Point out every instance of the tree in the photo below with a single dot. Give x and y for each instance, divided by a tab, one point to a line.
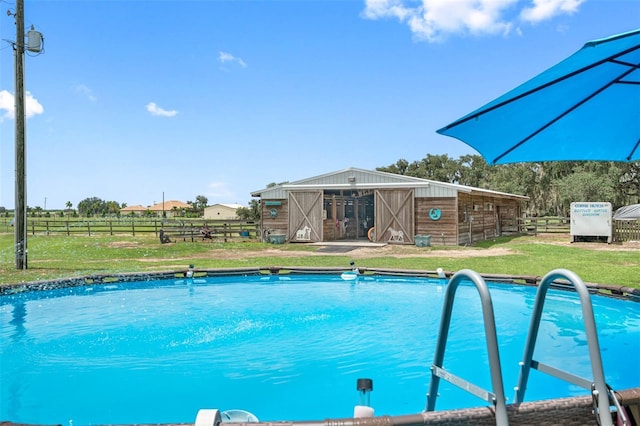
201	203
112	207
401	167
473	171
249	213
95	206
68	205
628	182
197	206
91	206
583	186
434	167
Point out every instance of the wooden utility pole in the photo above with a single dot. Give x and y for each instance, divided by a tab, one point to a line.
20	222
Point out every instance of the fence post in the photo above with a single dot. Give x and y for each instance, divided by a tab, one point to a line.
110	227
68	233
89	227
133	226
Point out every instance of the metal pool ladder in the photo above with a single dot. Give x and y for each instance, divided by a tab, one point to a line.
599	389
496	397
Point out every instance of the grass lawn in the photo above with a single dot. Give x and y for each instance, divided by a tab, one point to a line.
52	257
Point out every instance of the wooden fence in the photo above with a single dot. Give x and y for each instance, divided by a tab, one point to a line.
626	230
623	230
132	226
544	225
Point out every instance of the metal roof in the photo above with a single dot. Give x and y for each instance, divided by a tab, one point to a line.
355	179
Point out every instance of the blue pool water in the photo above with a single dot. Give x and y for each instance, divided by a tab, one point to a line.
283	348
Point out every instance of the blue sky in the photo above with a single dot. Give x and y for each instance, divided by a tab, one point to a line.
133	99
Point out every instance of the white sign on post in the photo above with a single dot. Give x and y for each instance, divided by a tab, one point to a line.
591	220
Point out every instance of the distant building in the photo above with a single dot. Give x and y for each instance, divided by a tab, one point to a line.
171	208
137	210
222	211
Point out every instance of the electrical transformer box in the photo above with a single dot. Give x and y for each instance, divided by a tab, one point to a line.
591	220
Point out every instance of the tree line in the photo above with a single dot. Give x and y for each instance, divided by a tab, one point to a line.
550	186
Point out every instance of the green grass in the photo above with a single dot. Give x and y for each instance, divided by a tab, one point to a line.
53	257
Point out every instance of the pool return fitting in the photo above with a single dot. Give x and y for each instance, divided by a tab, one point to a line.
364	409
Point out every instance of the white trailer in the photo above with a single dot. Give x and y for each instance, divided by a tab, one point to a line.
591	220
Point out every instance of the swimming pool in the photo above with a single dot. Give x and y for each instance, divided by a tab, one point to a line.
282	347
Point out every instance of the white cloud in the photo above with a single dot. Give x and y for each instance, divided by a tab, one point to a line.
435	20
543	10
7	105
225	57
85	91
156	110
219	190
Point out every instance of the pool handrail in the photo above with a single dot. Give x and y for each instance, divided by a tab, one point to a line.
497	398
600	391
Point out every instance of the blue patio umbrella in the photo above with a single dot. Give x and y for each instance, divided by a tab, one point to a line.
586	107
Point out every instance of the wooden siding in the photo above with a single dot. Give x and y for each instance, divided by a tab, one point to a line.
280	223
482	217
443	231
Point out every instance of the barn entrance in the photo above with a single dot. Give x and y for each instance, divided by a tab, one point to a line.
348	214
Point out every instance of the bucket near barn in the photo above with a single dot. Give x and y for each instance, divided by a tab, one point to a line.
422	240
277	238
244	233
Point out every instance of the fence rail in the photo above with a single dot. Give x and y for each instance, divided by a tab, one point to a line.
626	230
538	225
132	226
622	230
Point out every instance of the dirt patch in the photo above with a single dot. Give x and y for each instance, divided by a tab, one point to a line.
123	244
356	253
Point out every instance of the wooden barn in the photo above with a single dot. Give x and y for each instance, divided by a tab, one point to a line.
354	204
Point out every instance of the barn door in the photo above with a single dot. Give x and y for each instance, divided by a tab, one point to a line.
305	216
394	216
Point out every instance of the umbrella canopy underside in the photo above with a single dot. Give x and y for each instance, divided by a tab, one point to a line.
586	107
